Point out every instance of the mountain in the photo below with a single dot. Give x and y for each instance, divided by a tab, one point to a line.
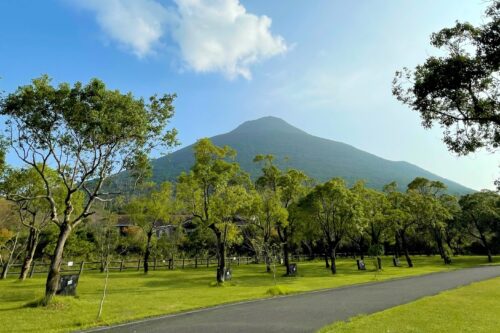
319	158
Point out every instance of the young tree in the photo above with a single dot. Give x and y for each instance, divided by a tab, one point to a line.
215	191
399	214
86	133
34	214
269	214
480	215
289	186
148	211
375	221
460	90
335	209
431	208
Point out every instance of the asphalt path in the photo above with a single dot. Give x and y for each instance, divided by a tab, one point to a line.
309	311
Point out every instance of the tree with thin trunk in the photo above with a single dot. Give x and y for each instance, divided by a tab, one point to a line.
335	209
85	133
402	221
290	186
149	211
215	191
34	214
480	215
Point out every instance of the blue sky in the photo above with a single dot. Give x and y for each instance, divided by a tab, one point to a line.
325	66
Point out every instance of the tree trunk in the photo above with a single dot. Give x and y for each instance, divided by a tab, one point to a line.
405	249
332	259
5	268
147	253
397	246
327	264
267	259
361	245
221	254
52	283
286	251
30	253
442	252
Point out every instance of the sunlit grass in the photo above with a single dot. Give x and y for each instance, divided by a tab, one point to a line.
474	308
133	295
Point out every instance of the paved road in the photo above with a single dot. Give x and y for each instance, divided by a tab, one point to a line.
309	311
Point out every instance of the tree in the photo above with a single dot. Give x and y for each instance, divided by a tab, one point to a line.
269	214
10	229
335	209
214	192
289	186
86	133
400	215
460	90
34	214
375	220
430	208
148	211
480	215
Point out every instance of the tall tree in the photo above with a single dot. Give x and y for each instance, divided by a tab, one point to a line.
399	214
86	133
480	215
461	89
375	208
290	187
430	208
214	192
148	212
34	214
335	209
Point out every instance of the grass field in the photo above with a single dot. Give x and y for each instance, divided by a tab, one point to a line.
474	308
133	295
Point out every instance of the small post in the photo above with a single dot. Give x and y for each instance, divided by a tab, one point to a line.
247	260
121	265
32	269
81	268
195	262
139	264
238	260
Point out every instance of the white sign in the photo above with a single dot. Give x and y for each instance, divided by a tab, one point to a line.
70	263
70	282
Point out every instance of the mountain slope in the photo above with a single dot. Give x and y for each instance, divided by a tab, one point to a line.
319	158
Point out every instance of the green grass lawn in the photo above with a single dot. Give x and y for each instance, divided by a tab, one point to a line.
474	308
133	295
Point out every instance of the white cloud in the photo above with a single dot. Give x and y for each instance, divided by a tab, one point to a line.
212	35
221	36
136	24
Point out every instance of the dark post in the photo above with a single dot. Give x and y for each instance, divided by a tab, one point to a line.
139	264
121	265
238	261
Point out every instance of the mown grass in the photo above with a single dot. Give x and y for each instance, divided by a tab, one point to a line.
474	308
133	295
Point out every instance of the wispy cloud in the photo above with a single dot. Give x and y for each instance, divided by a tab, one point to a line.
212	35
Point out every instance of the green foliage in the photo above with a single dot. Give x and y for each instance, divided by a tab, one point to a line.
460	90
